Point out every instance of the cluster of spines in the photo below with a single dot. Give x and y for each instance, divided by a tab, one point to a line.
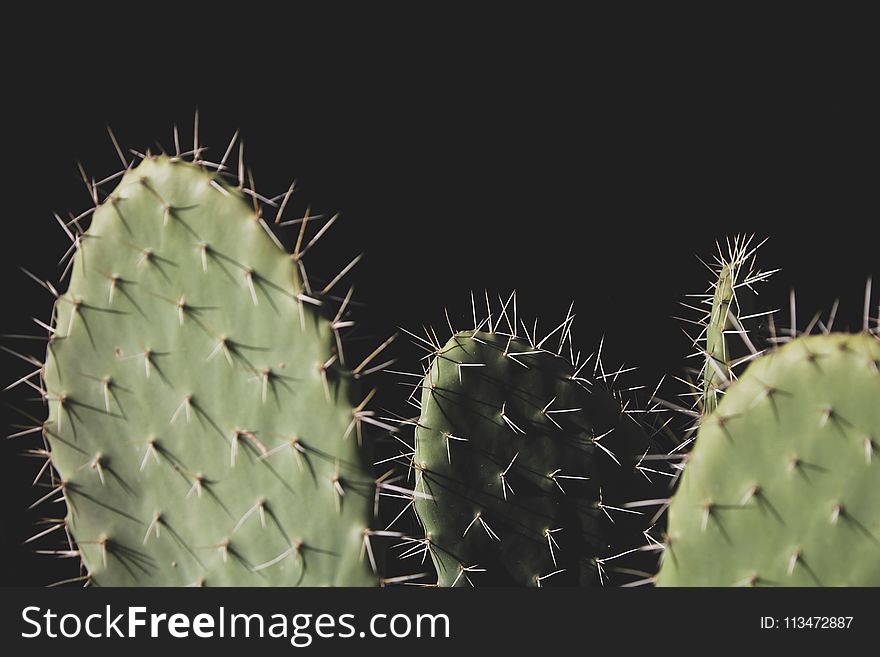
727	328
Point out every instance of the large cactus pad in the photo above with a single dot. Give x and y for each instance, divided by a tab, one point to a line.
783	485
199	420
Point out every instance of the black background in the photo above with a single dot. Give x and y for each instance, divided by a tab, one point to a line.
567	160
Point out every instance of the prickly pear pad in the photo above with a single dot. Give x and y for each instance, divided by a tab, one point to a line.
731	327
198	417
783	485
507	448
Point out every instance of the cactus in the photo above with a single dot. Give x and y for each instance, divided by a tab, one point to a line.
522	457
203	427
732	299
782	486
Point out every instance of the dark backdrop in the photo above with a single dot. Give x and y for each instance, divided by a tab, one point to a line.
551	165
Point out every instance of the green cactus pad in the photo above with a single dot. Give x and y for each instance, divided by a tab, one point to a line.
199	420
727	339
783	484
510	448
716	370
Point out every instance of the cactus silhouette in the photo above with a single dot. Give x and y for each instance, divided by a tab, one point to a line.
525	456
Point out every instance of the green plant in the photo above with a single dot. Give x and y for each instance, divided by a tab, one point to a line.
202	424
781	487
524	455
204	428
725	341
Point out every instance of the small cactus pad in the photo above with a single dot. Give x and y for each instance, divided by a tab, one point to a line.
517	448
783	485
716	371
726	340
199	420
